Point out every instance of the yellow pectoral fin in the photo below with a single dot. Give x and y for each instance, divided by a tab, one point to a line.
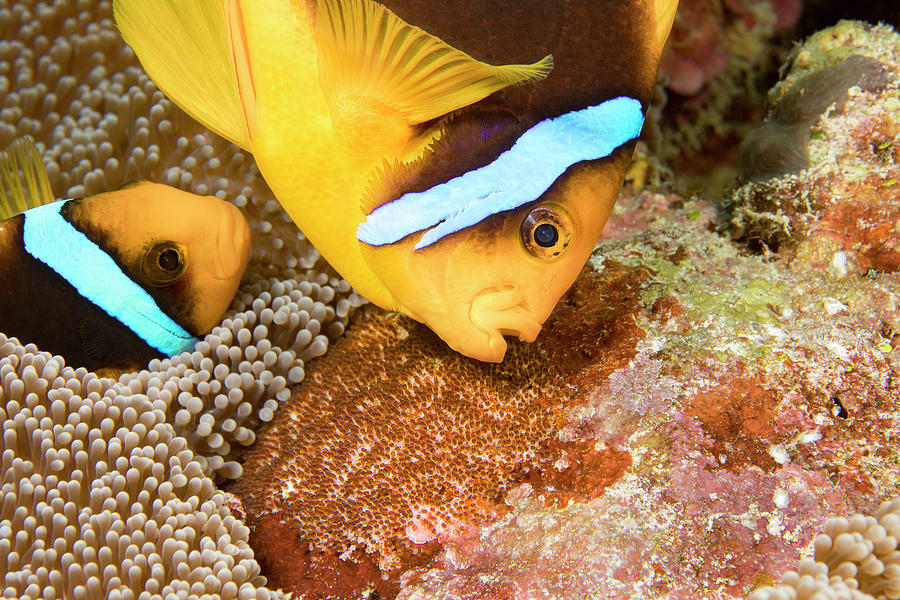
185	48
23	179
367	51
665	16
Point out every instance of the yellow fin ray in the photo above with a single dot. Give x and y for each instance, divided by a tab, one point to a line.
366	50
665	16
23	179
184	47
240	61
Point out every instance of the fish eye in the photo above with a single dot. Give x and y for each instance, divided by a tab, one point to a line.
163	263
546	235
547	231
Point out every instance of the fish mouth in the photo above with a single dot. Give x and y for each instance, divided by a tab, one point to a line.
232	243
497	312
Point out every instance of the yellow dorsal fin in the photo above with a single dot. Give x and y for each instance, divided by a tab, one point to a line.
665	16
184	47
366	49
23	179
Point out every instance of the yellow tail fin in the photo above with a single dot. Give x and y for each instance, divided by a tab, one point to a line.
23	179
184	47
665	16
366	49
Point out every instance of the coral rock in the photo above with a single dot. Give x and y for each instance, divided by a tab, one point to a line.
758	405
845	199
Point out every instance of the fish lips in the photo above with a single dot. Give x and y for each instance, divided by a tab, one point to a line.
496	312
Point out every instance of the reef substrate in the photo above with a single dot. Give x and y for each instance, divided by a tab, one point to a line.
700	411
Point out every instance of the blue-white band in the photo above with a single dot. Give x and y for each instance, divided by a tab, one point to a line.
56	243
518	176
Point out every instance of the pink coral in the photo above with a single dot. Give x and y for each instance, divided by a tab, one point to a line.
698	52
695	53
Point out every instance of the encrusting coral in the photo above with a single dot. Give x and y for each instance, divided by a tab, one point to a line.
395	441
761	400
856	558
101	499
845	194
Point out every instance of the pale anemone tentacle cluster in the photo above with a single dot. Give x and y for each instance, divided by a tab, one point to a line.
100	498
854	559
218	395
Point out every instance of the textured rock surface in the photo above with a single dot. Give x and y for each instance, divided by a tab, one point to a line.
846	198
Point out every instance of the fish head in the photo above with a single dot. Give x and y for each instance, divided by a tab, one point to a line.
504	275
188	251
482	228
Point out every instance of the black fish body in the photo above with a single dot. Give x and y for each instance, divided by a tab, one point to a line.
38	306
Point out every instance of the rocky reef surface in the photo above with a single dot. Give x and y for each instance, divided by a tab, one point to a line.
720	382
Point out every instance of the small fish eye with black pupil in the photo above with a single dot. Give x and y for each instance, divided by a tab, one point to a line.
547	231
546	235
163	263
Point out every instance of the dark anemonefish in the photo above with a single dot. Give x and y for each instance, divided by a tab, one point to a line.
468	196
117	278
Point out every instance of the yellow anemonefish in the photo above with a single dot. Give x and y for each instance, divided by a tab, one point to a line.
117	278
433	183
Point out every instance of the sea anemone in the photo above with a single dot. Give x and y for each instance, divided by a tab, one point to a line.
100	498
856	558
148	514
217	395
